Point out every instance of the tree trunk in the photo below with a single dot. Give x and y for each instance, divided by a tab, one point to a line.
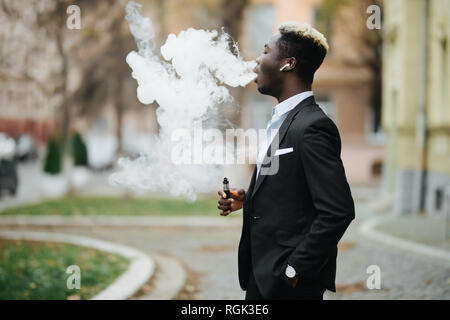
119	115
65	112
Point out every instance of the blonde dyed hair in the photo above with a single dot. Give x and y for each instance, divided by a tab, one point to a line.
304	30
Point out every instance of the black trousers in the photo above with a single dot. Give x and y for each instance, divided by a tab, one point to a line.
303	291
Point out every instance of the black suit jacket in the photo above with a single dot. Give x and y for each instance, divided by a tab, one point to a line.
298	214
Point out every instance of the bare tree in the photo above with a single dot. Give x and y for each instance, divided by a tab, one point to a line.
96	53
368	43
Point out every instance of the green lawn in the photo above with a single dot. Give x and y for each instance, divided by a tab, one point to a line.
37	270
71	206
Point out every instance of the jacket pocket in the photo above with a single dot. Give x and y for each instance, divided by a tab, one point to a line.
288	238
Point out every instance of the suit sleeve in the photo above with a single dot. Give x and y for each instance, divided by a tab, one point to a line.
330	193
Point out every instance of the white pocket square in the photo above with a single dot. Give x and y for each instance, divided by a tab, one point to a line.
283	151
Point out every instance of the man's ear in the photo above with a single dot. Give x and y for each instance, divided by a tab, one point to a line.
292	63
288	64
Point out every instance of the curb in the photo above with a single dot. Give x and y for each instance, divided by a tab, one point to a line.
367	229
169	279
120	221
140	270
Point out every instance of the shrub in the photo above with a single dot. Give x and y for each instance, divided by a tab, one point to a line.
53	158
79	151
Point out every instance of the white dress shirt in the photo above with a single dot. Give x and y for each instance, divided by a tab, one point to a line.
279	114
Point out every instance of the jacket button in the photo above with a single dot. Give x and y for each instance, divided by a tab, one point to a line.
256	217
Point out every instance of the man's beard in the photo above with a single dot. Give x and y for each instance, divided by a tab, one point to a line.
265	90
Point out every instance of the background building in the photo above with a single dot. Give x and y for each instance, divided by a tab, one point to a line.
416	106
78	80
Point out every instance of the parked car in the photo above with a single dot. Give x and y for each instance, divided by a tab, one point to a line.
8	176
26	148
8	172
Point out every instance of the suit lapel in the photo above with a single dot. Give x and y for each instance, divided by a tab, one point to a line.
281	134
251	185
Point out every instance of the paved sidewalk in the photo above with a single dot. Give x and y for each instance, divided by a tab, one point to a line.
29	177
210	253
404	274
428	230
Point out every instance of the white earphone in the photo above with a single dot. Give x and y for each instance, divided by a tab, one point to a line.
286	65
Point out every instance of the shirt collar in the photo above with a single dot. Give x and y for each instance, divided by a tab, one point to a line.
290	103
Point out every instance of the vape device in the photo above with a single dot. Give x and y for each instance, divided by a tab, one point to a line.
226	187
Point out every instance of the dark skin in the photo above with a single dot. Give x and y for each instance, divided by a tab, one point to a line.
280	85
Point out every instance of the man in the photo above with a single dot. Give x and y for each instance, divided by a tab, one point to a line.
295	212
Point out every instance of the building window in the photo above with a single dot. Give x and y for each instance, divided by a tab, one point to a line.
444	72
259	27
323	17
259	111
439	199
375	133
376	168
327	106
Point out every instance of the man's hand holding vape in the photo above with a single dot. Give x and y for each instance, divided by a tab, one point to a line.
232	203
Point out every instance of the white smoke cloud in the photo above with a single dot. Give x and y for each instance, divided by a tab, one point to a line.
187	85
